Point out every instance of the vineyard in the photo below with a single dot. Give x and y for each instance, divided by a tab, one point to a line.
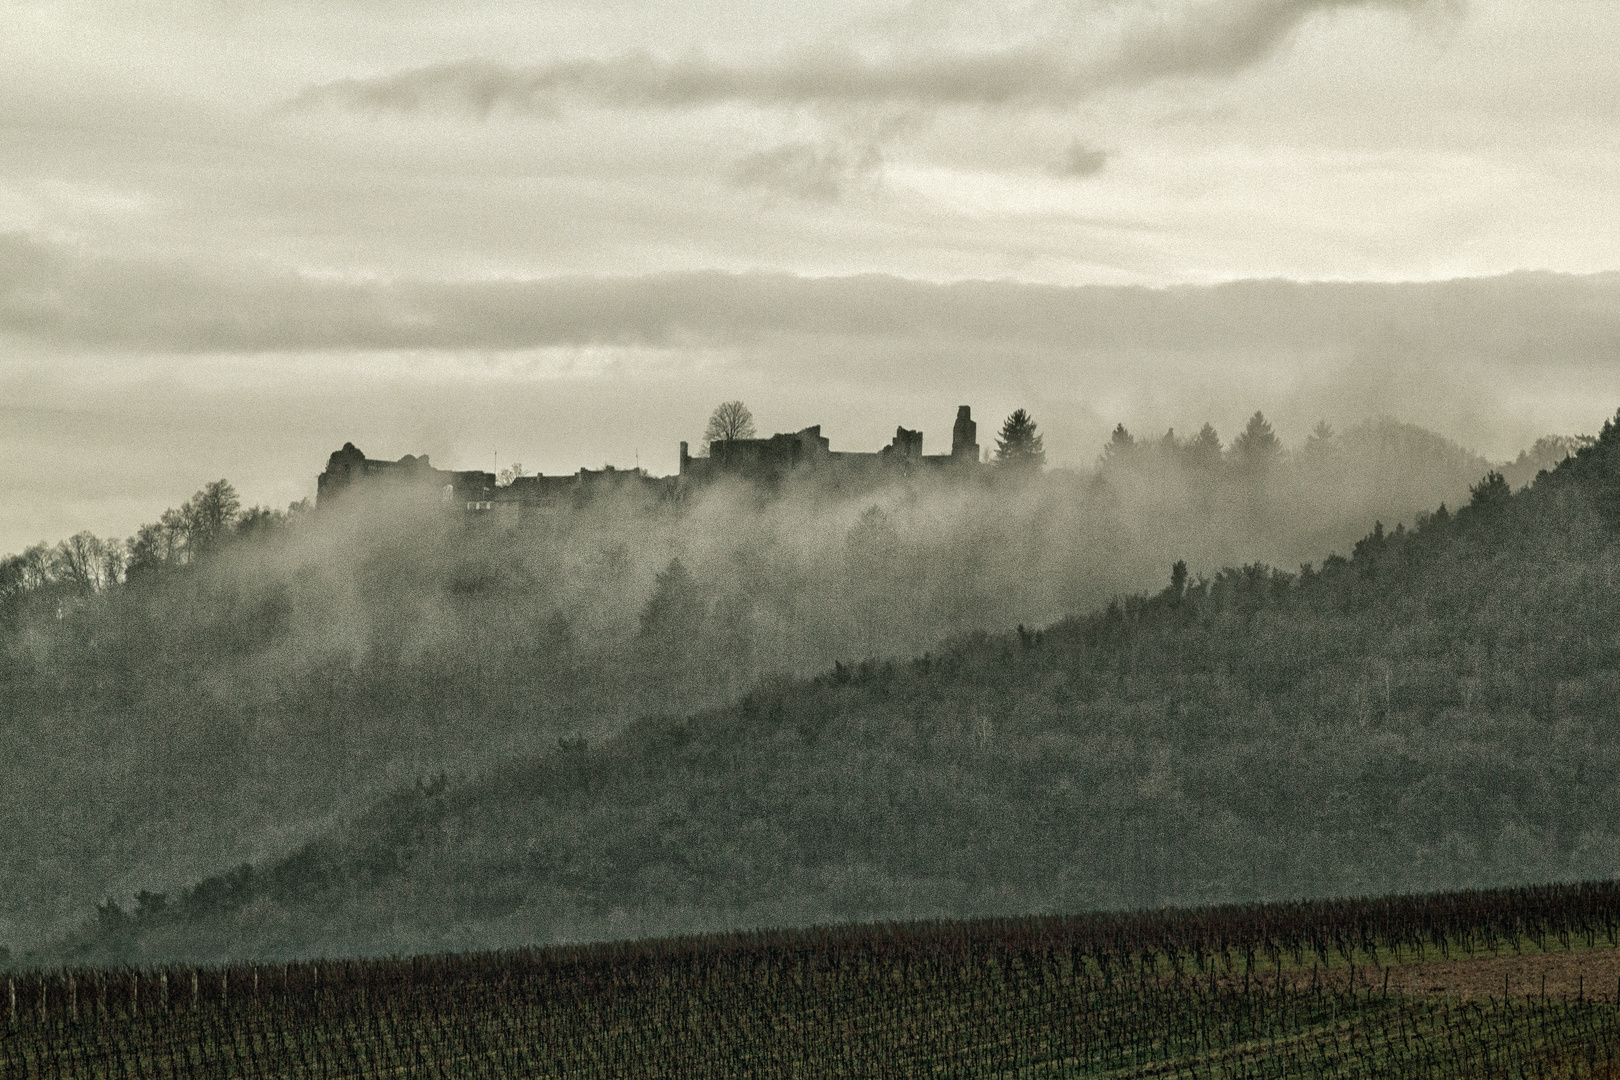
1274	990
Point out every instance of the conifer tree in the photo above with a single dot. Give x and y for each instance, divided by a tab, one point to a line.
1019	446
1257	447
1119	446
675	610
1204	449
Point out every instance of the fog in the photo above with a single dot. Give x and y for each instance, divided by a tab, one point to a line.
232	240
235	696
99	432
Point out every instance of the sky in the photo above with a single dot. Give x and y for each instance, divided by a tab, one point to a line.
235	235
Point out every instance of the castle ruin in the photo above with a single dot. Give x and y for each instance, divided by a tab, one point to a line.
773	458
757	460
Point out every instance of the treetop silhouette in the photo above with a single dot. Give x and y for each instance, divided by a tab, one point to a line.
1019	445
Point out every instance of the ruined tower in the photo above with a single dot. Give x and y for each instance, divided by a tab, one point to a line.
906	446
343	468
964	436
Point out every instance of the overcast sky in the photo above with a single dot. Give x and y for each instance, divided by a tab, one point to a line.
234	235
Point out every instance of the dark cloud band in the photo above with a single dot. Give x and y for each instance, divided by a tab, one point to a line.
63	297
1216	38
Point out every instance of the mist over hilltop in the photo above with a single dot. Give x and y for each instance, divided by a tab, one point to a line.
558	233
103	422
1430	710
259	676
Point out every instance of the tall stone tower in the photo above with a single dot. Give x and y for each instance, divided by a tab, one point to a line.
964	436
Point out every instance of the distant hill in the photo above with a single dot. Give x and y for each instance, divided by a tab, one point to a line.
1436	710
231	683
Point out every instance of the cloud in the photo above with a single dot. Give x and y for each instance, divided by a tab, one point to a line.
1082	160
1219	38
642	80
61	295
217	369
808	172
1210	37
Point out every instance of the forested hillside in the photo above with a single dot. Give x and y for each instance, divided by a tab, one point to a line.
1434	710
229	683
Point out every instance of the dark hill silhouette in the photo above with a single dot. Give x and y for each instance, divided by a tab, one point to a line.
1435	710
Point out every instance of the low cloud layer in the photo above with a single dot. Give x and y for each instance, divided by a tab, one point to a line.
1205	39
160	375
62	296
808	171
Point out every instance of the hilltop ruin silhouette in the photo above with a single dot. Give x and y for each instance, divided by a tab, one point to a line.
763	461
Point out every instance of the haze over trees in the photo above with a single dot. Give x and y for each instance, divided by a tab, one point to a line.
1257	448
257	676
1547	453
1432	709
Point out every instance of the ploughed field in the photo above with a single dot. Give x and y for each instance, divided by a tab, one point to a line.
1502	983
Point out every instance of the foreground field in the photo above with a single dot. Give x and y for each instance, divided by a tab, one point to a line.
1342	989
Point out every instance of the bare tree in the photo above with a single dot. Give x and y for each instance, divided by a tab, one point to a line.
210	515
259	521
730	420
87	563
35	567
32	569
